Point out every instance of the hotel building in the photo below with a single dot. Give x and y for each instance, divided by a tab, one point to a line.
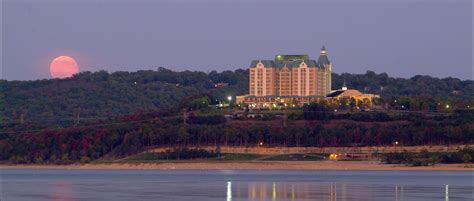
288	78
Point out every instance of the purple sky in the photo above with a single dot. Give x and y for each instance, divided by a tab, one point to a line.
401	37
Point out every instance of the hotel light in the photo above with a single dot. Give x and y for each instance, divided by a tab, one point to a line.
274	194
446	192
229	191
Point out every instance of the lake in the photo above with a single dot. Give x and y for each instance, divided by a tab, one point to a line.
230	185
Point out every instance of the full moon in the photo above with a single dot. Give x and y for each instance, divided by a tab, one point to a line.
63	67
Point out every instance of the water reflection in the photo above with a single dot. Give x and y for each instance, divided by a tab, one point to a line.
61	191
229	191
330	191
446	195
72	185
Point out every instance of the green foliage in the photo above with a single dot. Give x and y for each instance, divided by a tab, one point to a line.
397	158
466	158
230	156
417	86
207	119
85	159
298	157
425	158
123	113
315	111
175	154
107	95
103	95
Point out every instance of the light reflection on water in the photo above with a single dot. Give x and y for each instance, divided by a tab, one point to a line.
256	191
61	191
78	185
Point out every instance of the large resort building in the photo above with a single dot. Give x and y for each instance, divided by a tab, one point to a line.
287	79
295	80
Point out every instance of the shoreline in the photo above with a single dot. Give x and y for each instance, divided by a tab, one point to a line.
246	165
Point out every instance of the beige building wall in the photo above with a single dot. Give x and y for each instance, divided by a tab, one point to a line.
259	77
312	82
303	80
270	82
285	82
252	81
295	82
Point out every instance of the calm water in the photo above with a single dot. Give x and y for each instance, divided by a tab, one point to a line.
112	185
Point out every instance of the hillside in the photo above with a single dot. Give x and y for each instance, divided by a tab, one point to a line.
106	95
125	113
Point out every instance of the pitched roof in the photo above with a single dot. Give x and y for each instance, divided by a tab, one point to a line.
293	61
344	93
281	64
266	63
334	94
323	60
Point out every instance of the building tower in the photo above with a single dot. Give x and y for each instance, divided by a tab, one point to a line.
323	61
344	86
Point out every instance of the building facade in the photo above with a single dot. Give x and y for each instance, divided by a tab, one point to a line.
345	93
289	77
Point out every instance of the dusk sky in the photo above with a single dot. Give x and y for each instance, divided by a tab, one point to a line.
401	37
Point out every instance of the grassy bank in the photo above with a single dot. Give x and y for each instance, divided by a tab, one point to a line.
426	158
201	154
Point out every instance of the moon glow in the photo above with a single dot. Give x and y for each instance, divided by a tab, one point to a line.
63	67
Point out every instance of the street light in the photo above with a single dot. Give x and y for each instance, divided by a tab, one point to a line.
229	98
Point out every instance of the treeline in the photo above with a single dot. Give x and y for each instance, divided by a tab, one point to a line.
88	96
323	111
426	158
102	95
139	132
417	86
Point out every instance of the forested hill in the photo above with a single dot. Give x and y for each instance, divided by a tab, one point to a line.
419	85
102	94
